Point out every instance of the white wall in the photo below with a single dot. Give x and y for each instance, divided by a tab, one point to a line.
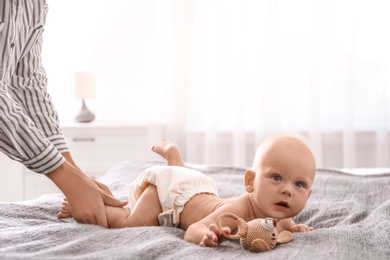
117	40
142	53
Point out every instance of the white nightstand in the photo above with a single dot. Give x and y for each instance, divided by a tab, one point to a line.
96	147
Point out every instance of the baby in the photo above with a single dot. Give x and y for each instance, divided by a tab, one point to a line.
278	186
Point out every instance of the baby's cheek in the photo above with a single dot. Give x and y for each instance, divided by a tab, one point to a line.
300	206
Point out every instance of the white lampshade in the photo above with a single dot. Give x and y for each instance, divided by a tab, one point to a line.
84	83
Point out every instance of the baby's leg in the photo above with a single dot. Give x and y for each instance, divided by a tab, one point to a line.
114	214
170	152
145	212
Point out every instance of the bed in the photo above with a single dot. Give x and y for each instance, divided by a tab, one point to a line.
349	209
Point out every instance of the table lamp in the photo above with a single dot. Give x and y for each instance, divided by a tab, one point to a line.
84	88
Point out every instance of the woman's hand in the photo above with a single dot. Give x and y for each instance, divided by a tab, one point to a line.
86	197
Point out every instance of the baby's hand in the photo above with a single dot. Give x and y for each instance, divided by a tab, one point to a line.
300	228
213	237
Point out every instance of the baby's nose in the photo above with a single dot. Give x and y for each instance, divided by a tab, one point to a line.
287	190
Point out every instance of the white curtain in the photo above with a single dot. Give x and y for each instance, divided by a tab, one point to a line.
319	68
224	74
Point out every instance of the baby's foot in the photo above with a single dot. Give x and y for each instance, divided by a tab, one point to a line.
169	151
165	148
65	211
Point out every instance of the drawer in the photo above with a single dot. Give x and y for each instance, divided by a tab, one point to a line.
98	153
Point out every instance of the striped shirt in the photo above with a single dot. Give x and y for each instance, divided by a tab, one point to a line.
29	125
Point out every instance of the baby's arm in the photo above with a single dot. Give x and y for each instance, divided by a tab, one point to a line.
203	235
206	232
290	225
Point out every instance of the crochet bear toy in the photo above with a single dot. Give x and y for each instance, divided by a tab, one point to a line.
258	235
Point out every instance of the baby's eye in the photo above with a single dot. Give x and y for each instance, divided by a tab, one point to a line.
277	178
300	184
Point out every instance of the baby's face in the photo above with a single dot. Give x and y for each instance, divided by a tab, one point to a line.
284	173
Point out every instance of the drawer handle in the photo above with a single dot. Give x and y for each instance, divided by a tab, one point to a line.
83	139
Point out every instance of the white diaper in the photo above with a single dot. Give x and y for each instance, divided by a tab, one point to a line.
175	186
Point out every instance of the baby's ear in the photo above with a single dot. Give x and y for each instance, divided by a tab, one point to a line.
249	178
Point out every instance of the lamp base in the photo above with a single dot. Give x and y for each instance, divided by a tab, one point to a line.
85	115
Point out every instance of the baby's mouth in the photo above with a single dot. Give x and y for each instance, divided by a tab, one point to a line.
283	204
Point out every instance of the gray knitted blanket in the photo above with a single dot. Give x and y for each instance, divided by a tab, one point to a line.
350	214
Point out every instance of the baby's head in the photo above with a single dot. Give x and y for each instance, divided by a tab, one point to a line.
279	183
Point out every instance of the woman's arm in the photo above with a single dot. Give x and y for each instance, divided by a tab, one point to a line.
29	125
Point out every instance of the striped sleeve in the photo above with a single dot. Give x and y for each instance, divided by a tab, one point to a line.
22	141
29	125
28	89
